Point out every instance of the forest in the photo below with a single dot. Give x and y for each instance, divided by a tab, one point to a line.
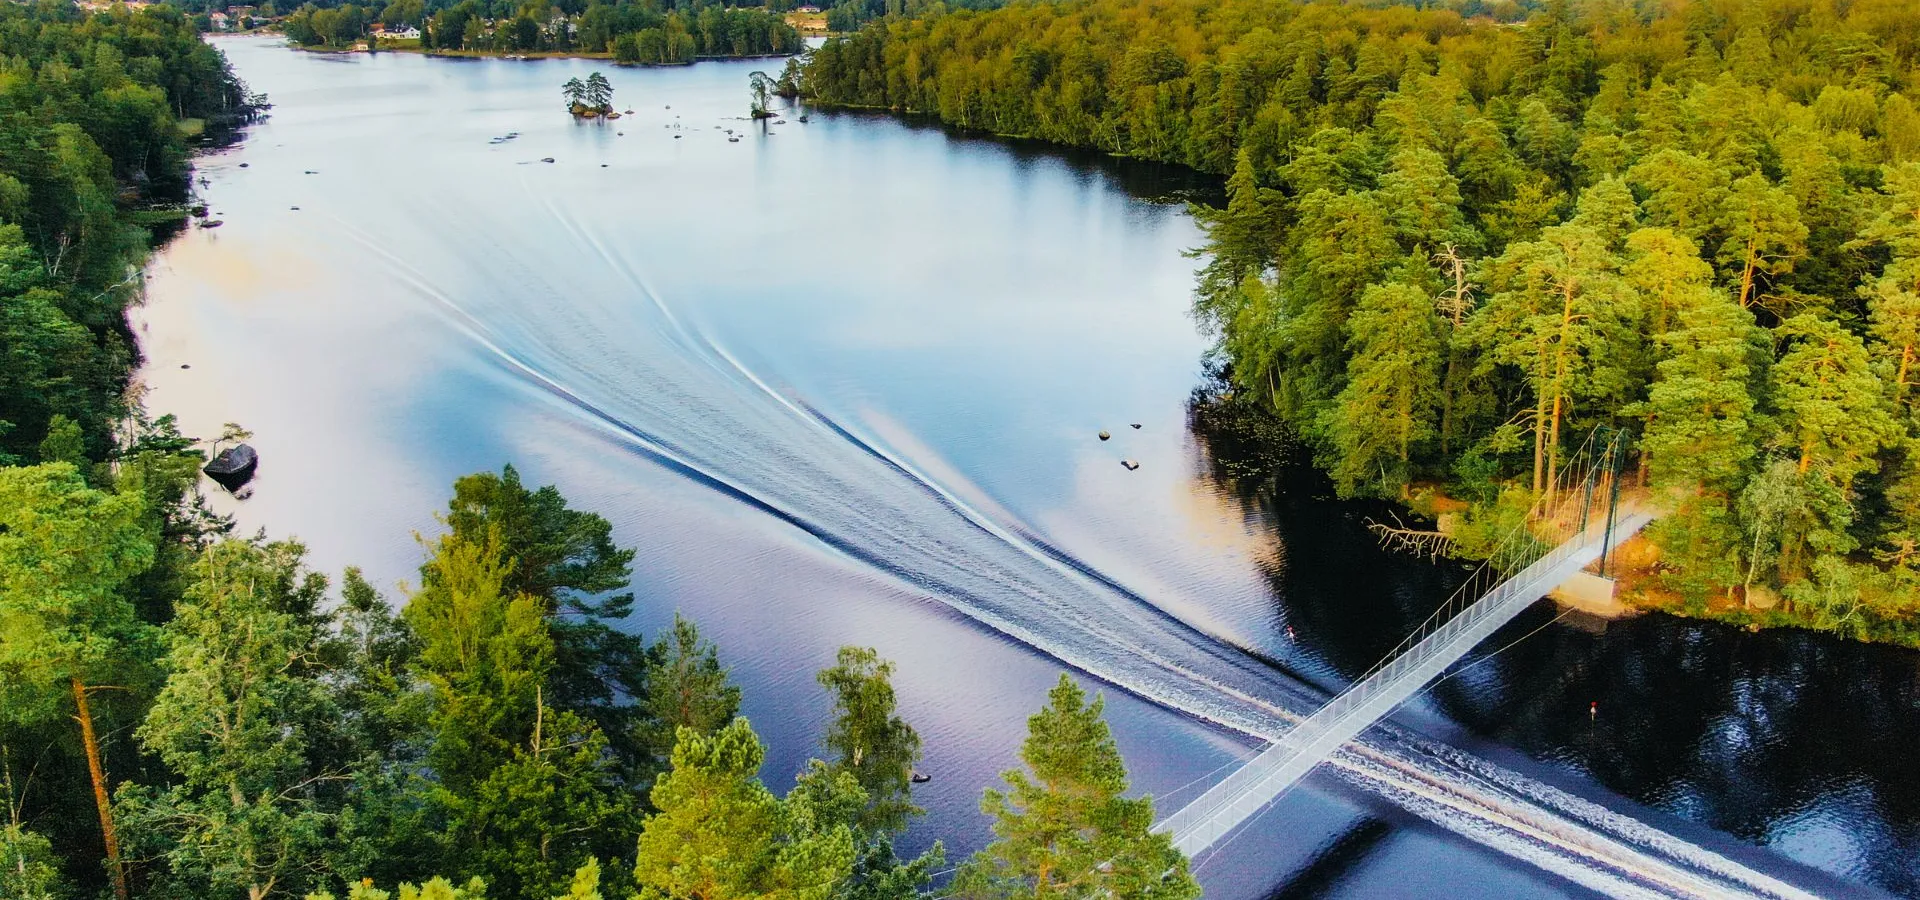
631	32
243	730
1457	241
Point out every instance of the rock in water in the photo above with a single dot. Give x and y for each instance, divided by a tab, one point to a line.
233	467
1105	436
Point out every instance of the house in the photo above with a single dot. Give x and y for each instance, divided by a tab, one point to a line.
220	21
809	9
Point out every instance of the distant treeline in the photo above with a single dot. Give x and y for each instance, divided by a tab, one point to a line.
1457	244
632	32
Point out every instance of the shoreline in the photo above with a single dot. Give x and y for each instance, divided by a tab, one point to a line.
440	53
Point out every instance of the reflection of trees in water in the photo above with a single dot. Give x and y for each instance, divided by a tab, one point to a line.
1141	179
1746	733
1347	601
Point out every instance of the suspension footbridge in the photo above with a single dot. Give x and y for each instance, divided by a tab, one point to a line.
1498	592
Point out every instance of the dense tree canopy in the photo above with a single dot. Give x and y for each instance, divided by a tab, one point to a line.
91	115
1458	238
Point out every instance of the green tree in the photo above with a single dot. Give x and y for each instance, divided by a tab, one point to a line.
548	810
1066	830
1393	389
437	888
566	559
1833	411
599	92
685	688
1559	313
484	653
1700	418
1240	243
721	835
1763	231
760	86
65	552
869	739
28	868
243	722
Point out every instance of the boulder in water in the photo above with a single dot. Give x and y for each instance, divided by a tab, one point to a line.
233	467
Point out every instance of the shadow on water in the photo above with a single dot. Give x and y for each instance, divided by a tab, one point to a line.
1142	179
1783	737
1332	865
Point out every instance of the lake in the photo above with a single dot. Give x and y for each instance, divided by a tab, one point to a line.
841	381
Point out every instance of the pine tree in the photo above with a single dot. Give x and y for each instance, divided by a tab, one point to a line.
721	835
1698	440
66	550
1559	314
485	654
1066	830
685	687
567	559
1763	232
1393	389
1239	243
1833	412
1423	200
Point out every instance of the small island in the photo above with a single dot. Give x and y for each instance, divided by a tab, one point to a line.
591	99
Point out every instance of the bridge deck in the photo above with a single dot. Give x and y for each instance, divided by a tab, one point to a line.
1264	778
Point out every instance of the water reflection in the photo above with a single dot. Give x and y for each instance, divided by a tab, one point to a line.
1791	739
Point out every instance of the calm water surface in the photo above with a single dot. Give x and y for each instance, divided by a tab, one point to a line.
839	382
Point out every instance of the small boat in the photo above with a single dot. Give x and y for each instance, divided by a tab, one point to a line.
1136	425
1130	464
919	778
1105	436
233	467
210	223
546	159
779	121
733	140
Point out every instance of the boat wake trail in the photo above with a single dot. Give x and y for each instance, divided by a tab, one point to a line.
614	351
